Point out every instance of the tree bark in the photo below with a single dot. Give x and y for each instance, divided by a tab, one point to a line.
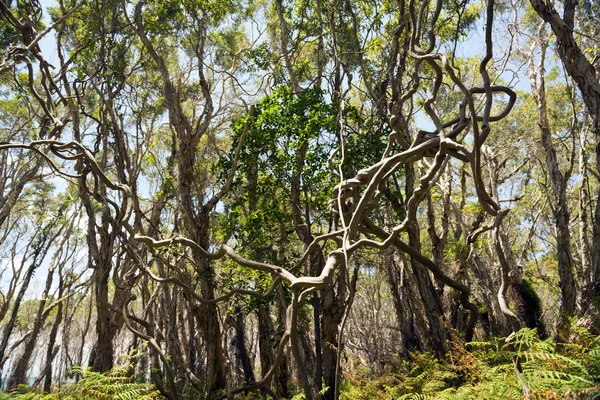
52	350
559	186
587	283
583	73
19	373
429	296
409	340
40	249
240	345
101	357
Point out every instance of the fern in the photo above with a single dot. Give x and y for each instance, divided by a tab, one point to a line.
413	396
114	385
487	372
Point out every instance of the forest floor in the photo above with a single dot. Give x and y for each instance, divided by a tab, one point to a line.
524	366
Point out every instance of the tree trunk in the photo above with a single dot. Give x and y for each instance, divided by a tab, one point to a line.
583	73
19	373
101	358
587	283
316	303
208	320
405	317
52	350
282	374
40	249
429	296
559	187
497	320
242	357
266	331
333	307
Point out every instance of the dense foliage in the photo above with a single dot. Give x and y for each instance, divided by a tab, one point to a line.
299	199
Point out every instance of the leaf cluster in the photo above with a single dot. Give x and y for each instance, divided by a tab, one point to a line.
114	385
486	370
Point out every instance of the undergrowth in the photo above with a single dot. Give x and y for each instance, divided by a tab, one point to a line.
114	385
477	370
486	370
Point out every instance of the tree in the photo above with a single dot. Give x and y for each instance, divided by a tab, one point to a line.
583	73
251	184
